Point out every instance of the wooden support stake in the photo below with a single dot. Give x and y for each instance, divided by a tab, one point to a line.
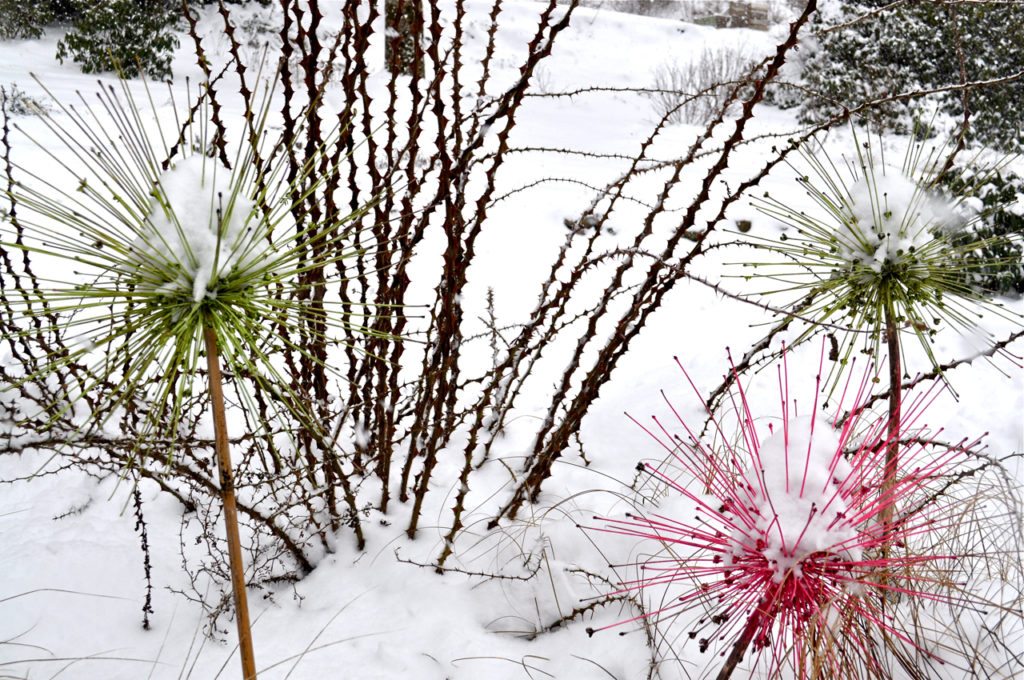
227	495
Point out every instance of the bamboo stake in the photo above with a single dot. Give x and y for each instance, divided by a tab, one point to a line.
892	453
227	494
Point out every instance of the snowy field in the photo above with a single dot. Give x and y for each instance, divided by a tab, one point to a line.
71	575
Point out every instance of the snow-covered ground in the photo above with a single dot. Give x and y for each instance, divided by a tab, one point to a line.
71	575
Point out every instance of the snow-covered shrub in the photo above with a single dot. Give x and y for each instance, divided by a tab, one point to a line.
174	252
17	103
126	36
695	90
20	19
872	49
182	246
299	493
997	264
258	30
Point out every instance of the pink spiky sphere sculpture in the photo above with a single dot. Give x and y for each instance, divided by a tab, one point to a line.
783	554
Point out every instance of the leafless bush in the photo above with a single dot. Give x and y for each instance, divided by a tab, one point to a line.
666	9
20	104
695	91
295	487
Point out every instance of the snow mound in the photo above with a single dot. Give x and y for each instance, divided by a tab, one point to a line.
795	499
199	230
891	218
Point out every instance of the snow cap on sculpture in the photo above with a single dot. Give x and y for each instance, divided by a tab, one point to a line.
797	500
200	225
878	246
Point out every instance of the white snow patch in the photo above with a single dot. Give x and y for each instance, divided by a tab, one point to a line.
796	498
893	217
198	226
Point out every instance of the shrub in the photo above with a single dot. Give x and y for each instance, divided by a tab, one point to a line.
914	47
17	103
997	266
696	90
186	257
20	19
127	36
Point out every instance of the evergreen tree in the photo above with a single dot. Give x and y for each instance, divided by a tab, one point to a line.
20	19
998	265
128	36
913	46
993	40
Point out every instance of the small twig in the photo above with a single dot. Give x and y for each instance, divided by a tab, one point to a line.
140	526
466	572
938	373
575	614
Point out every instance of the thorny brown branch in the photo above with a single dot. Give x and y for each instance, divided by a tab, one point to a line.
547	447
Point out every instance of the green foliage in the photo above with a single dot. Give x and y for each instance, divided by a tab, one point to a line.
20	19
912	47
997	264
127	36
64	11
